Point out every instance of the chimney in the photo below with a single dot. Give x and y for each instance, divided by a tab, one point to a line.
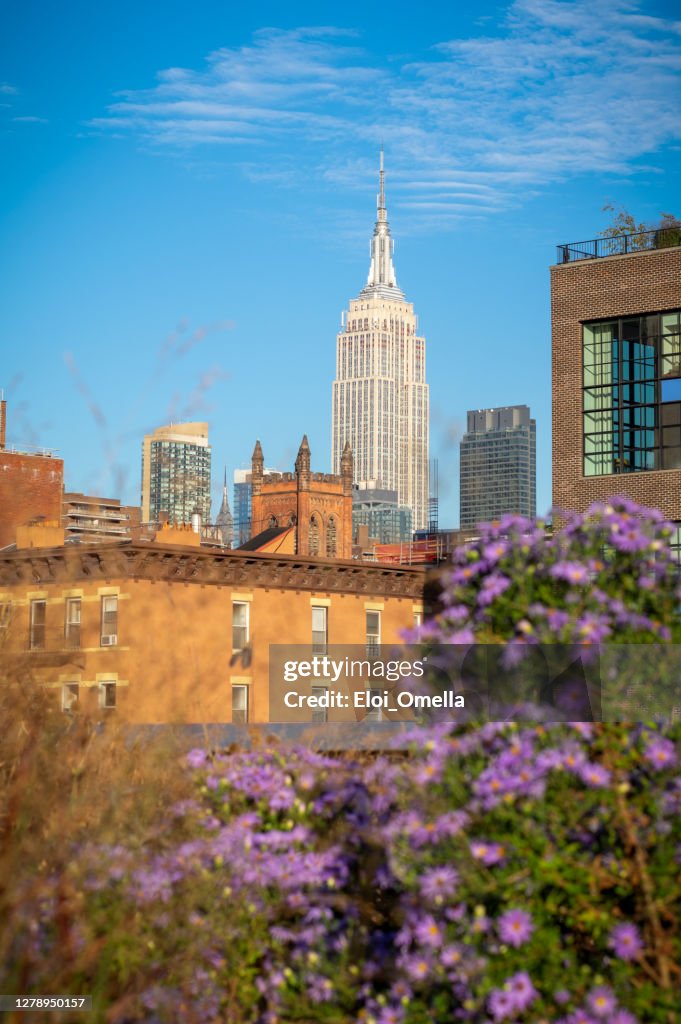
3	422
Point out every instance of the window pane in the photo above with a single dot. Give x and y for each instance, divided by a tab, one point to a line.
107	695
671	390
239	705
37	625
240	611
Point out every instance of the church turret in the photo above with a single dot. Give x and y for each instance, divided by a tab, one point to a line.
257	469
303	465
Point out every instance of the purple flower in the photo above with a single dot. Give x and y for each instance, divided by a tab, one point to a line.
623	1017
522	991
493	586
488	853
572	572
515	927
580	1017
428	932
417	967
625	940
601	1001
594	775
438	883
196	758
450	956
500	1004
660	753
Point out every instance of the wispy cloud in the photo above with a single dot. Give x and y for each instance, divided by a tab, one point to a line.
7	90
557	88
30	119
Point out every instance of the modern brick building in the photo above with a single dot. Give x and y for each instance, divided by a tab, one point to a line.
498	466
168	631
318	506
616	378
31	485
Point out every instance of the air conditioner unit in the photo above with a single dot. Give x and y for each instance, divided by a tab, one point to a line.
109	641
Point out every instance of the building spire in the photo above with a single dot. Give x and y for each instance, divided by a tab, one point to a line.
381	270
381	195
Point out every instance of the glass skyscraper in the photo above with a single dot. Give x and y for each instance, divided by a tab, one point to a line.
498	467
176	473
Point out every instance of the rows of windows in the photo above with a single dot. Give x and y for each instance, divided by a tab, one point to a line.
241	636
108	623
632	394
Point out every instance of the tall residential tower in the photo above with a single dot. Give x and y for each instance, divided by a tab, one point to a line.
380	395
176	473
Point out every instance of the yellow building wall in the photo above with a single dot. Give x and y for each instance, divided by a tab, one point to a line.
174	660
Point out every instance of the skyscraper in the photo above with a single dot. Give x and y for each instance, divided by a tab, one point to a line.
498	471
380	395
176	473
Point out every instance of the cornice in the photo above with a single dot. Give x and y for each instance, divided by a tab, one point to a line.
175	564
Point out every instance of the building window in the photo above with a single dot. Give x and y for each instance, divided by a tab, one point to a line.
107	695
72	622
320	630
313	539
418	619
240	616
69	696
373	630
109	630
331	538
240	705
272	523
36	636
320	714
5	616
632	394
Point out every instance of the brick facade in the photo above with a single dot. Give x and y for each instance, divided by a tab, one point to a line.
597	289
286	499
30	486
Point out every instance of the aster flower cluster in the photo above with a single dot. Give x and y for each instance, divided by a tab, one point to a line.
532	877
603	576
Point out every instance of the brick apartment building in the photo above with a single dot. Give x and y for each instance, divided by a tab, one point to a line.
169	631
616	377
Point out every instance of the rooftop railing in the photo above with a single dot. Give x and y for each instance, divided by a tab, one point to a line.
619	245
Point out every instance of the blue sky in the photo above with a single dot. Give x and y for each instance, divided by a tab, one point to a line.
188	193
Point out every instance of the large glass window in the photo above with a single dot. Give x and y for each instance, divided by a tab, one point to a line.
632	394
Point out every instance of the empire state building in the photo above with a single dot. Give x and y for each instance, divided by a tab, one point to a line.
380	395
